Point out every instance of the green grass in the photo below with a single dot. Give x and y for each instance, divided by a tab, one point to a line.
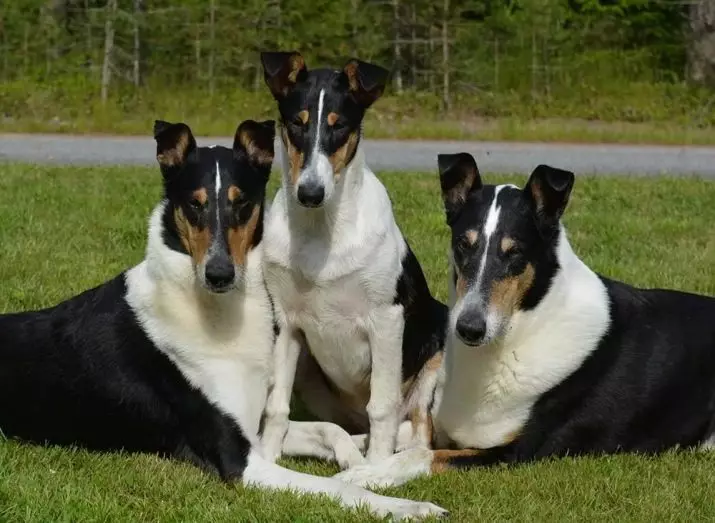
66	229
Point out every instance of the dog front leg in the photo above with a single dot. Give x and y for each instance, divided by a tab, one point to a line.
285	360
383	408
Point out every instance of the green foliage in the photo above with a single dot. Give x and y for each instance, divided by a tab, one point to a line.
610	60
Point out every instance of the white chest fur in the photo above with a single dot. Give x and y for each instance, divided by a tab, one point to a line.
328	269
489	391
221	343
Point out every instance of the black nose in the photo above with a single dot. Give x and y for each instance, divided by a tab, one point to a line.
311	194
471	327
220	274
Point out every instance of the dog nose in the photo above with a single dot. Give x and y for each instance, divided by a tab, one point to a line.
311	194
471	327
220	274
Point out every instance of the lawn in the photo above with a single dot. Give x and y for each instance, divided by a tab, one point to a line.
65	229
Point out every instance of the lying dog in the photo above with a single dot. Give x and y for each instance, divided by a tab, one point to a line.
547	358
349	293
173	356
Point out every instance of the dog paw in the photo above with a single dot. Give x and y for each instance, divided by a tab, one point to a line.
366	476
393	471
348	456
415	510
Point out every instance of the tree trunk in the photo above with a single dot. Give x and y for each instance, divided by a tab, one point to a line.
445	57
138	18
108	48
397	54
701	45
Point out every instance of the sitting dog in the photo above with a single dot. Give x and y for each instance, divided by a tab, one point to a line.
173	356
547	358
360	333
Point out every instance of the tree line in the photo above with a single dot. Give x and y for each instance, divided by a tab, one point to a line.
444	47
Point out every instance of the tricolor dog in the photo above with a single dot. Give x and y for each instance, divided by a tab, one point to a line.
360	334
174	355
547	358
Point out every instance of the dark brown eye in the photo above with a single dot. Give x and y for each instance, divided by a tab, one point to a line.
196	205
512	253
463	244
240	203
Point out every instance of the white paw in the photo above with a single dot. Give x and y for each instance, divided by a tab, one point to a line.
396	470
348	456
373	476
411	510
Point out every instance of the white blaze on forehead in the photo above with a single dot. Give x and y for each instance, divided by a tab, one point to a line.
316	146
218	190
490	225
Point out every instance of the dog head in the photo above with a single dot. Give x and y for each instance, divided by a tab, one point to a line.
215	198
321	113
504	242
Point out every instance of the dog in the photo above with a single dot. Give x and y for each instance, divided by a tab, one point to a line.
361	336
174	355
545	357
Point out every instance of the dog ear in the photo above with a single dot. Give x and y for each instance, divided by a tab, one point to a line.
282	70
254	140
174	142
549	189
458	177
366	81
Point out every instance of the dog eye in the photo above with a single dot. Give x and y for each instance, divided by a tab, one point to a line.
463	244
337	126
196	205
240	202
513	253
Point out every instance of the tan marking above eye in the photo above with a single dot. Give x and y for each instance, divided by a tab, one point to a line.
332	118
200	195
304	116
507	244
234	193
471	236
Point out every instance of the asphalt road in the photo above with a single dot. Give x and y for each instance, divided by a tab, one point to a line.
496	157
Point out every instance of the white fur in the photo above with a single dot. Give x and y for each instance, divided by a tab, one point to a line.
222	343
393	471
332	273
264	473
489	391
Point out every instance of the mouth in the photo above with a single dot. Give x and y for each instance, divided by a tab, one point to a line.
470	342
310	205
220	289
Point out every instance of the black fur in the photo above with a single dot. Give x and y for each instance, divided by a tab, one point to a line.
425	317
